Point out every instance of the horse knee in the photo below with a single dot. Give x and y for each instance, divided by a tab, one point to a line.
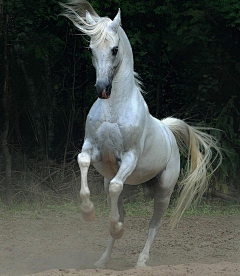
83	160
115	188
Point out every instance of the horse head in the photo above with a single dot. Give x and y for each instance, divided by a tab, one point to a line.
105	55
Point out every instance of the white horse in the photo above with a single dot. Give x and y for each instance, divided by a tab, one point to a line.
124	142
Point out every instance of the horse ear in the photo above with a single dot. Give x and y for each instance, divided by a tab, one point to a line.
116	21
89	18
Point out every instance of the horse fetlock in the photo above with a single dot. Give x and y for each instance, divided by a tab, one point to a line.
116	230
85	194
114	219
88	211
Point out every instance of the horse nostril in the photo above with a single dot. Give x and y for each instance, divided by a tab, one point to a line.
103	89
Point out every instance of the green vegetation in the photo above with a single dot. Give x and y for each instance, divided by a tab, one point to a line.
38	209
186	52
141	208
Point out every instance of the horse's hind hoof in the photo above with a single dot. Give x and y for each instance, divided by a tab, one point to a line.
117	232
88	213
140	264
101	263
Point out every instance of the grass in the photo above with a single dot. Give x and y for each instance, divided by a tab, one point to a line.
35	209
213	208
138	208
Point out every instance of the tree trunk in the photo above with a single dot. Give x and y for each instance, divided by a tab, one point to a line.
72	111
51	104
6	115
34	102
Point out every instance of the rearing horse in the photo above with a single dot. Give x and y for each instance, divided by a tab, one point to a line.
124	142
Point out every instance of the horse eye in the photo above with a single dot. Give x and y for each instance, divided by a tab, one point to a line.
114	50
90	50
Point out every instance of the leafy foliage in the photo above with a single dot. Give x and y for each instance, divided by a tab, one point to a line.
187	53
229	122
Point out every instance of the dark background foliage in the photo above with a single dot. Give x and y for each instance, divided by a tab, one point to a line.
186	52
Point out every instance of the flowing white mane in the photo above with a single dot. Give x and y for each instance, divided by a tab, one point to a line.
96	29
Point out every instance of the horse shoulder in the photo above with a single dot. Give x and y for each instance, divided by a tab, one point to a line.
132	121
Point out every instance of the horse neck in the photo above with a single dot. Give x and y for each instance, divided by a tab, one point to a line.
123	85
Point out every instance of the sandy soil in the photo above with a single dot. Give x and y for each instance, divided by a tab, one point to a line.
60	245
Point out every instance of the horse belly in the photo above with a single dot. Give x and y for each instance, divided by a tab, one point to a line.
140	175
147	168
107	169
155	156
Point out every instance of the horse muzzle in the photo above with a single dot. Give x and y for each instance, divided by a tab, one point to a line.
103	90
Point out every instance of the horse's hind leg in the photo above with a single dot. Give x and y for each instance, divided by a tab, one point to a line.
106	256
163	187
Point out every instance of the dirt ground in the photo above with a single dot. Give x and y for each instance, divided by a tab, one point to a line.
65	245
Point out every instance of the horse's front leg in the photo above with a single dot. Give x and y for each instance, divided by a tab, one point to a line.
84	160
128	164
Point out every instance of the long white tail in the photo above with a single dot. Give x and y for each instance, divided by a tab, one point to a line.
201	151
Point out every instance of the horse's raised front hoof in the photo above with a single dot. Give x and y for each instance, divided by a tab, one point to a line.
116	230
88	212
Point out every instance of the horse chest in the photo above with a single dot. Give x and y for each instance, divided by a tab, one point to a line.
109	141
